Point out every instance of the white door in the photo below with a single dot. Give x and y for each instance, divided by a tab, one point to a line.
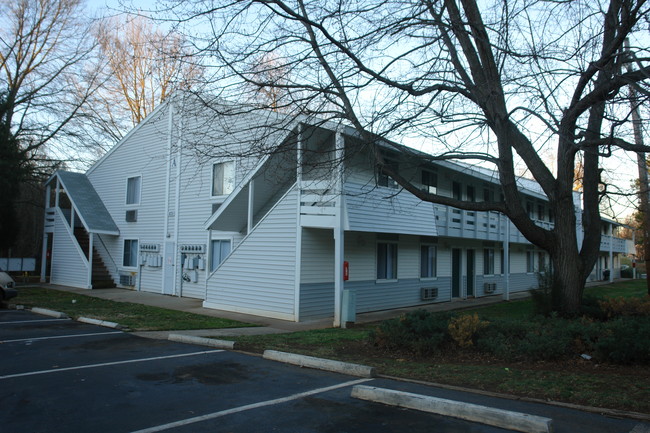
169	268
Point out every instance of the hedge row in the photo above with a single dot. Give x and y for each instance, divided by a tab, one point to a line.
620	340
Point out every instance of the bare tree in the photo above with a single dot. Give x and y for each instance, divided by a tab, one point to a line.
42	49
139	65
493	83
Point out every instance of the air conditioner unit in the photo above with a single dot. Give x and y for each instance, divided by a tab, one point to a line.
428	293
131	216
127	280
489	287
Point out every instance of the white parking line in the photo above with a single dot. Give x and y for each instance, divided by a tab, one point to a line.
249	407
60	336
33	321
105	364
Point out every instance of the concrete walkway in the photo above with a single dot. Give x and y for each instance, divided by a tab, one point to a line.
265	325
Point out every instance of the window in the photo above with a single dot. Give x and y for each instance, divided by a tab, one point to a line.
133	190
488	194
456	191
219	249
384	179
541	261
530	261
488	261
223	178
386	261
429	182
130	257
471	195
540	212
428	261
503	262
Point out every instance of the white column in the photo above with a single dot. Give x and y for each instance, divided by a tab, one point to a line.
90	260
48	191
611	253
298	249
251	195
339	240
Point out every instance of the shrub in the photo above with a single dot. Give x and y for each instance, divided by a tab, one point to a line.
418	332
546	298
625	341
613	307
462	329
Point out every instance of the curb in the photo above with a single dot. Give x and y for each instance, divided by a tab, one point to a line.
470	412
50	313
98	322
321	364
212	342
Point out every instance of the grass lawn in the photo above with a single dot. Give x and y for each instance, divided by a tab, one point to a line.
578	382
134	316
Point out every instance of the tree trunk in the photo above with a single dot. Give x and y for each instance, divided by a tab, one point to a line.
569	274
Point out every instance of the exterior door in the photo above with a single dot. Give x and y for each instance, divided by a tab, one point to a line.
470	272
456	272
169	267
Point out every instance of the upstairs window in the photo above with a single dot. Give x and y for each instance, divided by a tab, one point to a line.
456	191
471	195
223	178
133	185
390	160
430	182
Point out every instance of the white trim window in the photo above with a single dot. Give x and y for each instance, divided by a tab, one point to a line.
430	181
530	261
386	260
130	253
219	250
488	261
223	178
428	261
133	190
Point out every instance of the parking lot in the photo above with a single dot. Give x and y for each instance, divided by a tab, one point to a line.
60	375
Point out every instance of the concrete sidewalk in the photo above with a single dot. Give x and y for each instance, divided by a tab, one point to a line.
265	325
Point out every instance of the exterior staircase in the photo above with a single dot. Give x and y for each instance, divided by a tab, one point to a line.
101	278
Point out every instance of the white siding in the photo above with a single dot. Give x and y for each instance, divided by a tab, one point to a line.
259	275
68	265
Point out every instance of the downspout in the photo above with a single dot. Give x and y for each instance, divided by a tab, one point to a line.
178	205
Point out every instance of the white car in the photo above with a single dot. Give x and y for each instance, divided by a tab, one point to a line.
7	285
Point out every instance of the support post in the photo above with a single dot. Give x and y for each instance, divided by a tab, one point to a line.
90	260
339	241
251	195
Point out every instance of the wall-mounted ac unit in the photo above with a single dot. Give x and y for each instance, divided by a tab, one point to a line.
489	287
428	293
131	216
127	280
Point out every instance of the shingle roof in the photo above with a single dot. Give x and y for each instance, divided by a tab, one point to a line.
86	201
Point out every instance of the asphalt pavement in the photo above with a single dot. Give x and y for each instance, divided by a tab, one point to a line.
60	375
